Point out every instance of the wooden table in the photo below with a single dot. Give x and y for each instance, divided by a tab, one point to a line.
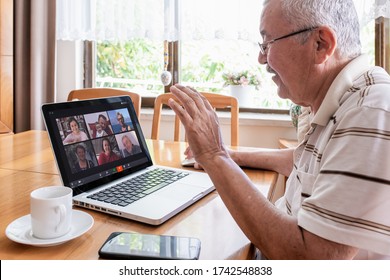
27	163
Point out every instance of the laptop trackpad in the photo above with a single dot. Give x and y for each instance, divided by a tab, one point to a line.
182	192
167	200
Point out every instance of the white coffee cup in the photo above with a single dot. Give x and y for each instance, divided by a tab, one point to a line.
51	211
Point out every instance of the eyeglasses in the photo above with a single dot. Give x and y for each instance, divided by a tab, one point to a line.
264	46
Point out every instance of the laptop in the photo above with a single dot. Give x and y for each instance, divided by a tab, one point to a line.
101	153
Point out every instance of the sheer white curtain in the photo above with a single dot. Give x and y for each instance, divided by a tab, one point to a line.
157	19
369	10
110	19
220	19
160	19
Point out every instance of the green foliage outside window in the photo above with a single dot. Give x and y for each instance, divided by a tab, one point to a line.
138	59
138	64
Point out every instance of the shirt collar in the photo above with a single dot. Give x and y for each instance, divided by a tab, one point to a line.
342	82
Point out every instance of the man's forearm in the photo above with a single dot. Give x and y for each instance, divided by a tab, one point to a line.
279	160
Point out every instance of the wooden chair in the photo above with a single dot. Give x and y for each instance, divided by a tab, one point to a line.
216	100
89	93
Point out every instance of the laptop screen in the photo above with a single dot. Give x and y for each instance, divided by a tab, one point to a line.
95	141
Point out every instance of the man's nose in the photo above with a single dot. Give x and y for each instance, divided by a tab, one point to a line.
262	58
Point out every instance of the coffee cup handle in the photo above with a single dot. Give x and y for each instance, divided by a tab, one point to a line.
62	210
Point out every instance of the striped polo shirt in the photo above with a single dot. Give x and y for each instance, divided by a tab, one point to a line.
339	188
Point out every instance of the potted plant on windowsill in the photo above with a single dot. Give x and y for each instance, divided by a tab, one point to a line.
242	86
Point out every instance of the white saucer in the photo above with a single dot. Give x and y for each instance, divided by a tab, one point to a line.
20	230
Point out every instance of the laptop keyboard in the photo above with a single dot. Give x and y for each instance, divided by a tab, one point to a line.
129	191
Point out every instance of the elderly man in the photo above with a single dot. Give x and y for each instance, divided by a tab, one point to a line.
337	199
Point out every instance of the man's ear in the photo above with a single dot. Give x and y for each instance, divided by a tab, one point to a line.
326	43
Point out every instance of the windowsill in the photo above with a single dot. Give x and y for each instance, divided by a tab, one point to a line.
246	118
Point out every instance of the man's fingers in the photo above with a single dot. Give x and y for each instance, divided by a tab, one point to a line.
191	99
180	111
183	94
206	103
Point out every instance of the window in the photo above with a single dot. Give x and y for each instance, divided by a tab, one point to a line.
135	64
203	63
130	53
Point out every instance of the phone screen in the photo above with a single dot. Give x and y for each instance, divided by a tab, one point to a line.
126	245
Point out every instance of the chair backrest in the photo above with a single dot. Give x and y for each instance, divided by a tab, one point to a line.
216	100
89	93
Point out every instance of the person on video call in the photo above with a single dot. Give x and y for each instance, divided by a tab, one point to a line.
76	135
131	148
102	120
82	162
336	202
121	121
107	154
99	130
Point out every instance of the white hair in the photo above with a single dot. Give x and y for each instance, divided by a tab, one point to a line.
339	15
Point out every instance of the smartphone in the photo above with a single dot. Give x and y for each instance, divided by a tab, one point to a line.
137	246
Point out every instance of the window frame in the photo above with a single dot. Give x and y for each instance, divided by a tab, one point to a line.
382	43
